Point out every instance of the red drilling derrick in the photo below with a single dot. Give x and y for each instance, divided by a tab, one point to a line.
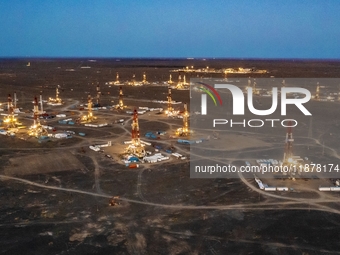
136	147
36	112
135	128
170	109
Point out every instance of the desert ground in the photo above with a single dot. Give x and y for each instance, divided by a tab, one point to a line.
55	194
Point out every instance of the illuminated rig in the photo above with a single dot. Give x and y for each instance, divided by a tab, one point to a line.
36	129
182	84
117	82
136	147
133	80
15	108
170	111
41	106
120	104
144	79
184	131
170	80
98	96
89	117
55	101
10	120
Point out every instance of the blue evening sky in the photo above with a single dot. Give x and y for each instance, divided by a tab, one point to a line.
170	28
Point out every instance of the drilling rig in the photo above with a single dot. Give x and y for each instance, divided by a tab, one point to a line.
89	117
144	79
57	100
15	108
117	79
41	105
36	129
288	154
184	131
133	81
317	93
136	147
170	111
10	121
170	80
120	104
255	90
98	96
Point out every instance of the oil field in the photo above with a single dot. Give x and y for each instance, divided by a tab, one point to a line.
96	154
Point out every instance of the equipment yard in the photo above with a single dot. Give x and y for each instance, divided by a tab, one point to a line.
107	171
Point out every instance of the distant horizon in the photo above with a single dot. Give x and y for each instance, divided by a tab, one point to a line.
167	58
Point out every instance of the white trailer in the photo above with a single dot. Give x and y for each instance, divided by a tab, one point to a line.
270	188
324	188
261	186
95	148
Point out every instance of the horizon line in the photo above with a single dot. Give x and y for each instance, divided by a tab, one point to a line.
167	58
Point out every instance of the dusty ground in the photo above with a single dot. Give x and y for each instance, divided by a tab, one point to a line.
49	211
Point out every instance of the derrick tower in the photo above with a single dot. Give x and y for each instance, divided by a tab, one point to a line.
170	80
317	93
185	129
89	117
288	154
144	79
41	105
117	79
36	129
15	109
98	95
255	91
57	99
170	108
135	147
181	84
10	120
184	80
133	81
89	106
120	100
